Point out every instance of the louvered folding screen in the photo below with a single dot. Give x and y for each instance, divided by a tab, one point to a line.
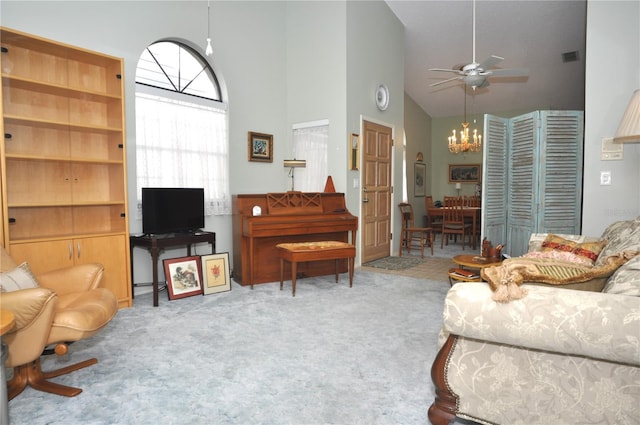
532	177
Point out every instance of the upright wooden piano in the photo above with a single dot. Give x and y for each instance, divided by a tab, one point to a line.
286	217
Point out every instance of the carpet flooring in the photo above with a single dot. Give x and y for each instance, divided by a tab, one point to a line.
331	355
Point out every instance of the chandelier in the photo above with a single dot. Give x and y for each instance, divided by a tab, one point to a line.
467	142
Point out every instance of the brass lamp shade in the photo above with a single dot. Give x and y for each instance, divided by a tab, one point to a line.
295	163
292	164
629	128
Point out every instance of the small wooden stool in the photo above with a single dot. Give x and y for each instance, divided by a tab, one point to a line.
314	251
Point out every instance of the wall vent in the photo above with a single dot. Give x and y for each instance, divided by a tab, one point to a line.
570	56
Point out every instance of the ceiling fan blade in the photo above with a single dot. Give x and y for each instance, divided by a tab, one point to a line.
510	72
444	81
444	70
490	62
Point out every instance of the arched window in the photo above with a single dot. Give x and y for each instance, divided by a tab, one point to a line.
181	124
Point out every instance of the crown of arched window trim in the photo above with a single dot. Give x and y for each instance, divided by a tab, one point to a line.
176	67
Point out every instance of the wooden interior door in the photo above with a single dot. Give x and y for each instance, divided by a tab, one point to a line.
377	198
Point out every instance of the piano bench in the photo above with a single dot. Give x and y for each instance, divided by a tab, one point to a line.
314	251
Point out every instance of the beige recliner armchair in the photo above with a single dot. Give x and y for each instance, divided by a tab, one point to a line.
67	306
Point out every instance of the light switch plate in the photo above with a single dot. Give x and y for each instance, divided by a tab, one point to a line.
605	178
611	151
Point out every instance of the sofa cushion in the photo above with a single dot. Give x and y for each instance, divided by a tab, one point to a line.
621	236
585	252
626	280
18	278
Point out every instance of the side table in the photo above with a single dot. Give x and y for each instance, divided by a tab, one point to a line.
473	262
7	321
157	243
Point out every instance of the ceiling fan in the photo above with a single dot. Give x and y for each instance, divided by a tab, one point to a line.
476	74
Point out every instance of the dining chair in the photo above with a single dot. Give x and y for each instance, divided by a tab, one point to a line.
453	222
473	202
412	236
434	222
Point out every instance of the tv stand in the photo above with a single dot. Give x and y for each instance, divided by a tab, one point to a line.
156	243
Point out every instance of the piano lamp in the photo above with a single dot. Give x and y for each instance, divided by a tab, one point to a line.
629	128
293	164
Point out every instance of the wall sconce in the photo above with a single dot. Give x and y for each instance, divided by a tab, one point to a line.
629	128
293	164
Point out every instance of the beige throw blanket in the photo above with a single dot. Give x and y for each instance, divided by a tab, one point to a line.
506	279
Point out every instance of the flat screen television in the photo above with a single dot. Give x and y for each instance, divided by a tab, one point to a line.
172	210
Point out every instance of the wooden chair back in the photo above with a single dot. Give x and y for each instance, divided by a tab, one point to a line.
406	211
472	201
452	213
428	202
411	236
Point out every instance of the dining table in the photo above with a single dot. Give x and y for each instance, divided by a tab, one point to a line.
468	212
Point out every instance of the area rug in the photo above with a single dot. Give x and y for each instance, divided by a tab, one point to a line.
394	263
330	355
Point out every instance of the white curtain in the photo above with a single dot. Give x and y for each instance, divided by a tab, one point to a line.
183	144
311	144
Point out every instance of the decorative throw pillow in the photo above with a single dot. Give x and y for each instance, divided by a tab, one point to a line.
536	239
621	236
626	280
560	256
18	278
587	250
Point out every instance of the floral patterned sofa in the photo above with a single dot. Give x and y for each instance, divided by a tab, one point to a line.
555	356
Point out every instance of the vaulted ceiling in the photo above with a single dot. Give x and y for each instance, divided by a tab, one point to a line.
530	34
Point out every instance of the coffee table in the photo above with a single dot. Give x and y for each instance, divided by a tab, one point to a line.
473	262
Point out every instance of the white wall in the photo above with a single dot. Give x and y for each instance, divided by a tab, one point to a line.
418	128
249	55
375	54
280	62
612	74
317	76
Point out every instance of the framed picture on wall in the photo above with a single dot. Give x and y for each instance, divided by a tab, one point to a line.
464	173
420	178
260	147
354	152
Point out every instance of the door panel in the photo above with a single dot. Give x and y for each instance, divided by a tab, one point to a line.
532	177
523	174
494	176
560	179
376	191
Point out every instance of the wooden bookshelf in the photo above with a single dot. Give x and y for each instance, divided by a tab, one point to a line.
63	158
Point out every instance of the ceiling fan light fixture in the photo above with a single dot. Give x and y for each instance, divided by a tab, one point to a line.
476	74
208	50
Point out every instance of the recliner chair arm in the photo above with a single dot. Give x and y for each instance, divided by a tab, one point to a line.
34	310
83	277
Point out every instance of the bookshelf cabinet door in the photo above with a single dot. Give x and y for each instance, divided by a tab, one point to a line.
108	251
59	254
